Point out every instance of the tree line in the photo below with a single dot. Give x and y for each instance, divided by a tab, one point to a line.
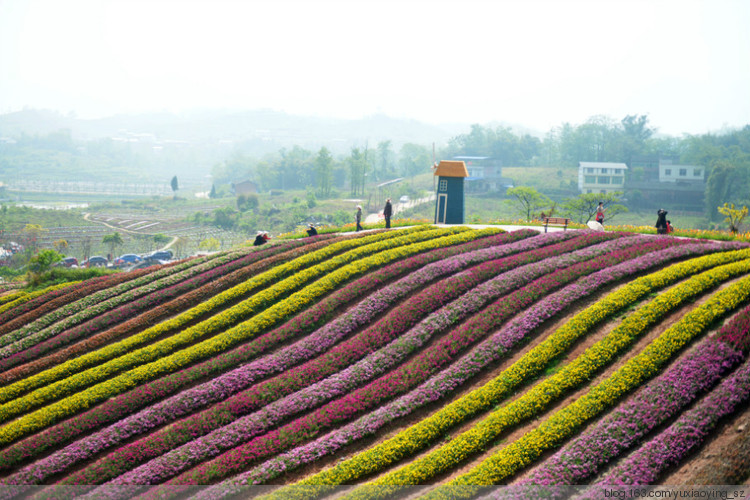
725	156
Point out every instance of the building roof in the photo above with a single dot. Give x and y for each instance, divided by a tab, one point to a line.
447	168
599	164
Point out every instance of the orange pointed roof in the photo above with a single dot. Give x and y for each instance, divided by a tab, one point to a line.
448	168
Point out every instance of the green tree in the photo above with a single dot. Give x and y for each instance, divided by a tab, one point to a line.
527	200
324	172
113	242
32	233
734	216
175	186
43	260
358	167
212	194
209	245
721	185
583	208
60	246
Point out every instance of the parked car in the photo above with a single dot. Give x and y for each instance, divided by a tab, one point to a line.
403	199
67	262
127	259
159	255
95	261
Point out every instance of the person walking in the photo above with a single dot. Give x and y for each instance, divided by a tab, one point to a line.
358	217
387	212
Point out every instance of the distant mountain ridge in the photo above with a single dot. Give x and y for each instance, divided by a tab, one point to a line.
275	128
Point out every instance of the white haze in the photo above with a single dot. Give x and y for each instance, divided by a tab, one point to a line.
684	63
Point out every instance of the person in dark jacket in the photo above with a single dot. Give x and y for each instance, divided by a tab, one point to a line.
661	221
358	218
387	212
261	238
311	231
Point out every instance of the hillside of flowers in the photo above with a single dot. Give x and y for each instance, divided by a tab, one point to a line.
443	360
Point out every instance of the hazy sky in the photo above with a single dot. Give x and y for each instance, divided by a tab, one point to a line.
684	63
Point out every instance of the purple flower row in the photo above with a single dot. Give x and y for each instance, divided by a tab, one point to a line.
343	326
452	377
163	290
93	307
418	369
651	406
682	437
212	391
79	310
343	382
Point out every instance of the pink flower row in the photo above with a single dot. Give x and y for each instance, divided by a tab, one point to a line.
123	405
447	380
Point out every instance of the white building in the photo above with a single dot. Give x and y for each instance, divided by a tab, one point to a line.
669	172
601	177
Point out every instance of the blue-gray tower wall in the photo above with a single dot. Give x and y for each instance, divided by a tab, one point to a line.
453	190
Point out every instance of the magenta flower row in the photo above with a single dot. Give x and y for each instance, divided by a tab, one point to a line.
426	361
163	290
452	377
121	406
356	317
351	377
91	311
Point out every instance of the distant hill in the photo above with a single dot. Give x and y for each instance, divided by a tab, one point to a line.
260	131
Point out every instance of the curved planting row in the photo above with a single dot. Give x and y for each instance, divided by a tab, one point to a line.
636	371
673	444
523	451
199	396
172	353
12	296
160	306
431	429
356	374
359	315
478	359
652	405
88	306
21	302
214	304
330	344
127	306
315	316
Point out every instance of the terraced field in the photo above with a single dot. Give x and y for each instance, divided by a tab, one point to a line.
449	358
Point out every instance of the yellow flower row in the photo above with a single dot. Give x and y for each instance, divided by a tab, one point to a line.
23	297
163	359
573	375
416	437
303	266
563	423
10	297
226	319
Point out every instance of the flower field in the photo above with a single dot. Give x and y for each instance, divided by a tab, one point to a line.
444	359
